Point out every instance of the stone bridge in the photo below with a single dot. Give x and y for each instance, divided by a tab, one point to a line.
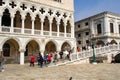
104	52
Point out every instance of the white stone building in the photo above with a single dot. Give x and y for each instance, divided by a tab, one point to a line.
32	26
103	29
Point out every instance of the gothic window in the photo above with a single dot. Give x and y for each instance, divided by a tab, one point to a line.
99	29
17	20
61	28
6	20
111	28
54	25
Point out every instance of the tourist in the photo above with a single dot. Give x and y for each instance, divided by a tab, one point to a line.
45	59
38	58
78	49
113	59
61	55
1	63
41	61
55	57
32	60
49	58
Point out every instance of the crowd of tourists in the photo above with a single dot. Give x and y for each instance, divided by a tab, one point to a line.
48	58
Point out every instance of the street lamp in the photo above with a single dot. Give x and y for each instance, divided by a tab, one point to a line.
94	57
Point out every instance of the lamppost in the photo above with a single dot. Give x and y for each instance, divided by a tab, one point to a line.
94	57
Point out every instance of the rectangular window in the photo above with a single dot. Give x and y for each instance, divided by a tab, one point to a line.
119	29
78	26
79	35
79	42
87	33
86	24
87	41
111	28
99	29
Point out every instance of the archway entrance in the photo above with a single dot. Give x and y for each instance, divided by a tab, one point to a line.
66	46
117	58
50	47
113	42
11	51
32	48
100	43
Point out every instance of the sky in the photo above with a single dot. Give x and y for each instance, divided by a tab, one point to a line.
87	8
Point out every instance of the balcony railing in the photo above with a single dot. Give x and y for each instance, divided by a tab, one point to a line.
8	29
17	30
54	33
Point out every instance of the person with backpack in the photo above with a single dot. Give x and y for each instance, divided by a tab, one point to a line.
38	58
41	61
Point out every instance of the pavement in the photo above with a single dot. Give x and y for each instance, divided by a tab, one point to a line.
102	71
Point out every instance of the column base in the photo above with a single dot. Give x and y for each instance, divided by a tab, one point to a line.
94	63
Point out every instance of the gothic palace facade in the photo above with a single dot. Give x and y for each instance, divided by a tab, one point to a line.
32	26
103	29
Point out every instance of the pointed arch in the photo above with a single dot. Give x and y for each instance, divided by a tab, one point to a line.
100	43
50	47
28	21
17	20
6	19
32	47
37	23
68	27
46	24
66	46
10	48
113	42
54	25
61	28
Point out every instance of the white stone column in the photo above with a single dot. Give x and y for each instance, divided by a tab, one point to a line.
72	30
23	24
33	26
42	52
0	23
22	57
58	30
92	30
12	18
64	29
116	29
50	28
42	27
106	26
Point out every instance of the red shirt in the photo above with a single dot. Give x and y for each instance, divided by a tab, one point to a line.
49	57
32	58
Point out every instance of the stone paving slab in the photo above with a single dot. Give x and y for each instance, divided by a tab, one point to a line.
77	72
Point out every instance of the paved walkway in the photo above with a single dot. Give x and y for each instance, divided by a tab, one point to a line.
77	72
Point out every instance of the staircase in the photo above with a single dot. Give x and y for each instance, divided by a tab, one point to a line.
84	55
